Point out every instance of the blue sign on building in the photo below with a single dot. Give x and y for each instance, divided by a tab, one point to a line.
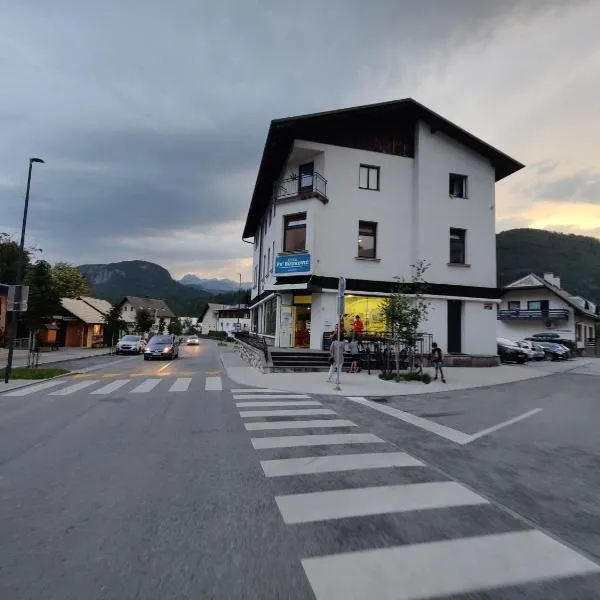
292	264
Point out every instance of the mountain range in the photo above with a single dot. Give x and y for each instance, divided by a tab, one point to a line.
574	258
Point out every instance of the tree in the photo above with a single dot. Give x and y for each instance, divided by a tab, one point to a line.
70	282
44	300
113	325
9	252
143	320
187	325
406	308
161	325
175	327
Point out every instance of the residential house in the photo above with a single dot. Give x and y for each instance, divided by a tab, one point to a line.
364	193
80	326
209	319
157	307
233	318
535	304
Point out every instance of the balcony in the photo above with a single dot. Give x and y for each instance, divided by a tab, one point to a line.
301	188
554	314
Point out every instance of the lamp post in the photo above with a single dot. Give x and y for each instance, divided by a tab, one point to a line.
239	300
19	274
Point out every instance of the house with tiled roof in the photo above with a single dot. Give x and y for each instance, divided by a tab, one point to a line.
533	305
81	324
157	307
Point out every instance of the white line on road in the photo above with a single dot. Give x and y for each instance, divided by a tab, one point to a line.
331	439
361	502
278	403
446	432
112	386
489	430
213	384
76	387
269	397
320	423
145	386
341	462
444	568
254	391
299	412
34	388
181	384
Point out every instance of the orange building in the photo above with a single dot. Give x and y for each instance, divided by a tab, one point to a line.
83	322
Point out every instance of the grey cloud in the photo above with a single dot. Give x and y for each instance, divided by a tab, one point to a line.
152	115
584	185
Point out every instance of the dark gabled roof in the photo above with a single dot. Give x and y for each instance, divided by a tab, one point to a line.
562	294
319	127
151	304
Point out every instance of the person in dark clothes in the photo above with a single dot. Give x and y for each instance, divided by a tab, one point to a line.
437	358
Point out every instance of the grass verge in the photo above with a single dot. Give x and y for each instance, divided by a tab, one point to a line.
34	372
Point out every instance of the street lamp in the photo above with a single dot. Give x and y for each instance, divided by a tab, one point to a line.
239	300
19	276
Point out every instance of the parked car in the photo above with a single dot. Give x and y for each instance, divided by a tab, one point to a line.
162	346
535	351
553	351
193	341
130	344
510	351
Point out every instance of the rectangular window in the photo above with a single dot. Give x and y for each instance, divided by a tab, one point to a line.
268	265
270	316
457	185
534	305
270	216
458	238
368	177
294	232
367	239
273	259
306	176
514	305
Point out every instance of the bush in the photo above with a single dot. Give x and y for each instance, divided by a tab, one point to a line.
387	376
217	335
34	372
406	376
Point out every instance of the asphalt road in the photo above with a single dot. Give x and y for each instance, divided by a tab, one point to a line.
157	480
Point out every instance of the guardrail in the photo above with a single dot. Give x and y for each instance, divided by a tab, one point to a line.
255	341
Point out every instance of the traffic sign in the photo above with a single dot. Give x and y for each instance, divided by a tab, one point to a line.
17	298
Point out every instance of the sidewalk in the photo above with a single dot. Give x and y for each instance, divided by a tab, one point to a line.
48	357
362	384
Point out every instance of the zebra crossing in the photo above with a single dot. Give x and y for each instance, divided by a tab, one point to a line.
125	385
334	478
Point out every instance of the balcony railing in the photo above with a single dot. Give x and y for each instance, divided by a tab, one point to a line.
557	314
306	186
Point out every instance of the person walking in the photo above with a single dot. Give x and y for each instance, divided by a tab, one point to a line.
336	357
355	352
437	358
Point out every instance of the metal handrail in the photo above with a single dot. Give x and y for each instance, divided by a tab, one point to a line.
292	186
517	313
253	340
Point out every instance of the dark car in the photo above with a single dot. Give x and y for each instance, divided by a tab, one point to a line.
552	350
511	352
162	346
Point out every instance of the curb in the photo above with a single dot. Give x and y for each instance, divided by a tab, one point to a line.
69	374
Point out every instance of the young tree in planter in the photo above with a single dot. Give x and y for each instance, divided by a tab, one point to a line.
143	320
406	308
113	325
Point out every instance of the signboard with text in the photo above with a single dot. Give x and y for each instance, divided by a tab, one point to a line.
292	264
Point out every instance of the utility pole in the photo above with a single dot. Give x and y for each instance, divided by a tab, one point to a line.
19	274
239	301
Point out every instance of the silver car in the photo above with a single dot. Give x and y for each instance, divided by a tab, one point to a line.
130	344
535	351
162	346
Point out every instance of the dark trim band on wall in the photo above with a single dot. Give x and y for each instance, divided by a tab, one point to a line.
385	287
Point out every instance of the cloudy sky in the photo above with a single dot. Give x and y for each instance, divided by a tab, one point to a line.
152	115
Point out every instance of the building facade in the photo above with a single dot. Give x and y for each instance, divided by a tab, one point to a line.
157	307
364	193
535	304
224	317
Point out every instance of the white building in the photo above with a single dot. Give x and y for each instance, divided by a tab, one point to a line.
363	193
157	307
535	304
224	317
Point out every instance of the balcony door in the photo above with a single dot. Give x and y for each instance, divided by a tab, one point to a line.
454	327
306	174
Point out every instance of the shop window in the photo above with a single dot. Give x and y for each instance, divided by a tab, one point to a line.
294	233
270	313
367	239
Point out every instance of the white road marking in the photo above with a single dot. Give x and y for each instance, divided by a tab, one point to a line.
112	386
444	568
446	432
341	462
329	439
181	384
298	412
278	403
254	391
264	425
165	367
269	397
146	386
504	424
361	502
213	384
76	387
32	389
